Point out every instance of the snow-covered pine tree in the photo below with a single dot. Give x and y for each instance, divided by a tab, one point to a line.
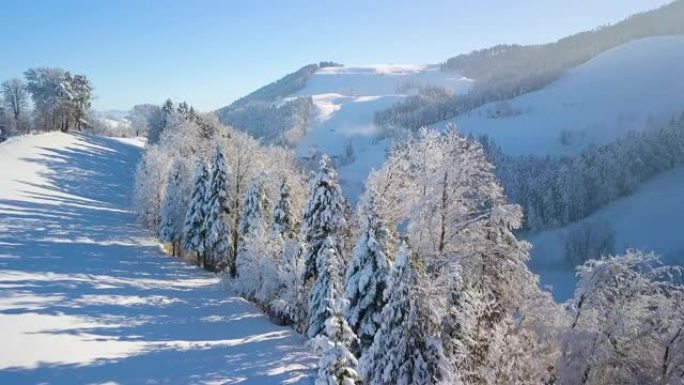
218	248
367	274
323	215
173	210
290	304
337	365
403	351
328	283
193	227
322	231
284	221
252	247
254	206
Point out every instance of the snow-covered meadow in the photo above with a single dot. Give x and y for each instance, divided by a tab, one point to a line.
87	296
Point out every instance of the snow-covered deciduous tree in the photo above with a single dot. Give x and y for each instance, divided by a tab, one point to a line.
337	365
61	99
627	323
405	350
367	274
193	227
218	248
173	210
442	190
246	160
150	182
15	100
484	350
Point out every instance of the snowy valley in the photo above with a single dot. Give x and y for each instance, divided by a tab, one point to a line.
509	215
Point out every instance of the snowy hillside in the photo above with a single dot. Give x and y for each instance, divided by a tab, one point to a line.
345	100
87	297
650	219
632	87
635	86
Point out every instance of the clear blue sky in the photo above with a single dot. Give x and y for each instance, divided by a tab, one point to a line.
210	52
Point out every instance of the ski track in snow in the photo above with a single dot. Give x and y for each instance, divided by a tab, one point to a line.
86	296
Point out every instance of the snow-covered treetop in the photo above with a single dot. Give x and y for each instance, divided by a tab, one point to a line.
325	209
284	219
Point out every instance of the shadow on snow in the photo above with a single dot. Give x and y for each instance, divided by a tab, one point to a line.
74	249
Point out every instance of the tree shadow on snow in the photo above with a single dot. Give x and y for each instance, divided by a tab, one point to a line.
73	249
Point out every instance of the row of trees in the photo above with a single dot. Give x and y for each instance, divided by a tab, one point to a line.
556	192
424	284
61	101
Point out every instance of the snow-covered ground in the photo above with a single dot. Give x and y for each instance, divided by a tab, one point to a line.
651	219
86	297
635	86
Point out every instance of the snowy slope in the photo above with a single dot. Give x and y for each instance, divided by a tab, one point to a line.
632	87
87	297
650	219
345	100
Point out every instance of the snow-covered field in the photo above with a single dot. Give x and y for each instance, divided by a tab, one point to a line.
86	296
636	86
651	219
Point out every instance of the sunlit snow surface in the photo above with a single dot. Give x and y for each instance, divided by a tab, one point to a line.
651	219
86	297
635	86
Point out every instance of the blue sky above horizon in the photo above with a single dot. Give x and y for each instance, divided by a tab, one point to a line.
209	52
